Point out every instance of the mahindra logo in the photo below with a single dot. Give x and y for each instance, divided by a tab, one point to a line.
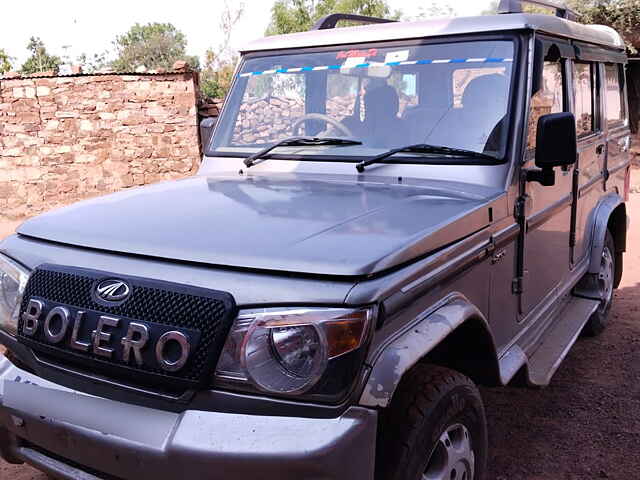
112	290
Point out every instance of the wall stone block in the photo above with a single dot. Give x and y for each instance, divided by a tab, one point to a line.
63	139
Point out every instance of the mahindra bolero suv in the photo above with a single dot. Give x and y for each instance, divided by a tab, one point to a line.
385	217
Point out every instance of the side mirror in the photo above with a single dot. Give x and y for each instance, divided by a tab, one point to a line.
206	130
556	146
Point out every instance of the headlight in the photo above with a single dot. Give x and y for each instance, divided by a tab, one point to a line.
289	351
13	280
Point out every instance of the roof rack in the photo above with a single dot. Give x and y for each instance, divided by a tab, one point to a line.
331	20
515	6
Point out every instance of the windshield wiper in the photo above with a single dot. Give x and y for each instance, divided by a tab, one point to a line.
424	148
297	142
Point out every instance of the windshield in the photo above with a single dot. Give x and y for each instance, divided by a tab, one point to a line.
454	95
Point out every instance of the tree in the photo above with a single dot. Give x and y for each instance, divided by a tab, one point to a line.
92	63
154	45
622	15
289	16
5	61
435	10
219	63
217	75
40	60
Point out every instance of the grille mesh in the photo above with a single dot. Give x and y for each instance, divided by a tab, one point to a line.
150	301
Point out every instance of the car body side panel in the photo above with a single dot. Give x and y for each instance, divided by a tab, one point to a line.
600	221
548	223
413	344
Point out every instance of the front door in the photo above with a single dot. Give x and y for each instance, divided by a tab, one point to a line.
547	209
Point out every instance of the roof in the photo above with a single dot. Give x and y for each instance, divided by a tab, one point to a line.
597	34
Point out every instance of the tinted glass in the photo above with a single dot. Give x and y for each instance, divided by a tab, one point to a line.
453	95
583	79
613	95
549	99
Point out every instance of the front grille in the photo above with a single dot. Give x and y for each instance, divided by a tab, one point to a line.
208	312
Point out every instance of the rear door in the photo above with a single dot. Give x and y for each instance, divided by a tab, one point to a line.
617	127
592	144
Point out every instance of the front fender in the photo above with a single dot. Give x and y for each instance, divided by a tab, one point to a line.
420	338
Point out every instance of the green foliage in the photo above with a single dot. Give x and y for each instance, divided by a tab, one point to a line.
154	45
217	75
92	63
5	61
289	16
40	60
219	62
622	15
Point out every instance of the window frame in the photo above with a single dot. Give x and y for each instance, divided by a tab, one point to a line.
563	63
613	124
596	108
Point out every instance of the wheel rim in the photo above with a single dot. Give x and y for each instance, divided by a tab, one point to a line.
452	458
605	279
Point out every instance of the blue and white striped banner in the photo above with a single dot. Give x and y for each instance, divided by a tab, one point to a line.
388	64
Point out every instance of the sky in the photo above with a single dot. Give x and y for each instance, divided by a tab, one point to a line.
73	27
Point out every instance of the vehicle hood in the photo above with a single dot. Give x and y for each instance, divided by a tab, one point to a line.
290	223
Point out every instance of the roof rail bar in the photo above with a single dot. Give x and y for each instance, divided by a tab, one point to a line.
515	6
331	20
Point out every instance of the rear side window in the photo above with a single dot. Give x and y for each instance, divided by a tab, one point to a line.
583	82
549	99
613	95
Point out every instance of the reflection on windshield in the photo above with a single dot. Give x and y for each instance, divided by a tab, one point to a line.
453	95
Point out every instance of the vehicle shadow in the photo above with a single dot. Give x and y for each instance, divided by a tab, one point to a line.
586	424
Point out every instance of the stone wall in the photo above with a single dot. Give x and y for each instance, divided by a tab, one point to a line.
67	138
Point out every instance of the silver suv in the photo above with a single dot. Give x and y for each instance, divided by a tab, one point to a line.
385	216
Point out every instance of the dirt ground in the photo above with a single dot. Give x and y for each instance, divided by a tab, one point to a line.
585	425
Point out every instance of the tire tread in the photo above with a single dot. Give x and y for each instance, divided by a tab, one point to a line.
420	391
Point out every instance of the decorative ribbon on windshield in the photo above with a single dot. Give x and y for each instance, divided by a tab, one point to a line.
388	64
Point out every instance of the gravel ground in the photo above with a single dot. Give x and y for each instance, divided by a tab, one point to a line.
585	425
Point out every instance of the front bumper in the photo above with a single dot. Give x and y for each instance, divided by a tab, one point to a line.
76	436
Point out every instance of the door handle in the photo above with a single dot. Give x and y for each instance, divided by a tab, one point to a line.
600	149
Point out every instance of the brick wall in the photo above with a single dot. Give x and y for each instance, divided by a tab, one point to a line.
67	138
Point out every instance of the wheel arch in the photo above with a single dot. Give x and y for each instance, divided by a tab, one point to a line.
610	215
455	335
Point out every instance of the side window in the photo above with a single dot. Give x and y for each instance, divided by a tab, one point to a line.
613	95
549	99
583	85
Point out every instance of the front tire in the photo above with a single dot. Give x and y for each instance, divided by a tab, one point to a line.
606	281
435	429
